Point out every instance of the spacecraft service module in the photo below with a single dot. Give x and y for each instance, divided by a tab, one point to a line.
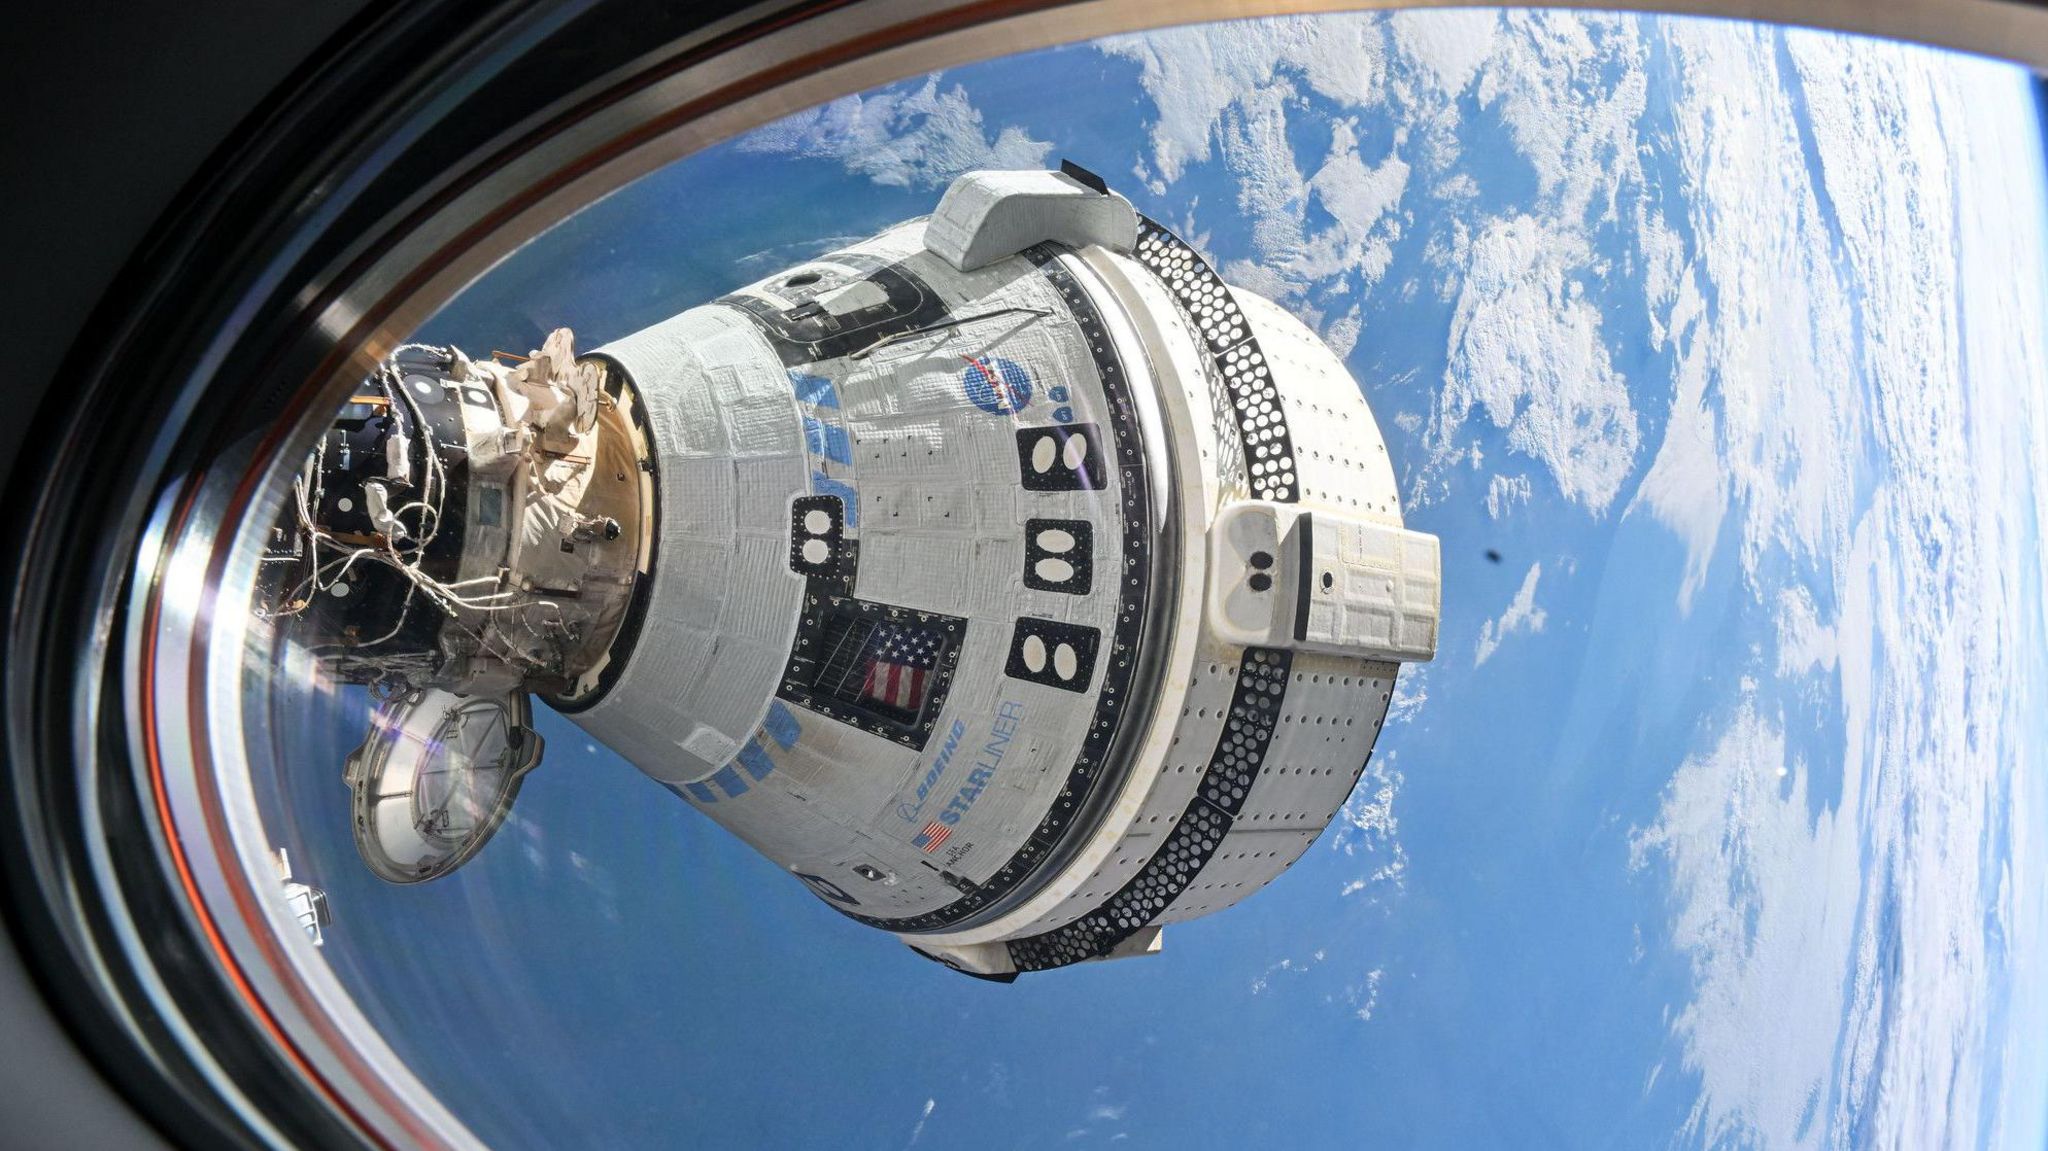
1008	578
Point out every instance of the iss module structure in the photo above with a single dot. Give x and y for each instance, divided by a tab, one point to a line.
1008	578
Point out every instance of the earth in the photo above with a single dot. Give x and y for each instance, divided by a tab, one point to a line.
1714	355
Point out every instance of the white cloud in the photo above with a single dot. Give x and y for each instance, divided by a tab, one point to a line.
1290	262
1522	616
1411	691
1264	978
1687	486
918	1131
1193	74
919	138
1446	46
1504	492
1355	193
1342	333
1367	828
1849	965
1270	190
1365	998
1766	906
1804	642
1571	88
1228	89
1101	1110
1367	823
1526	349
768	261
1767	403
1363	201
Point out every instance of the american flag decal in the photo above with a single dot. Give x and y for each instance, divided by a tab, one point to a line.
902	666
933	837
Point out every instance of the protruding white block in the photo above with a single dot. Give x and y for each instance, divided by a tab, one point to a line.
1317	581
986	216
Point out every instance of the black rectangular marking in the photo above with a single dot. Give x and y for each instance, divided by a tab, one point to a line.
1304	563
884	669
806	333
1082	175
1041	649
817	538
1061	458
1043	556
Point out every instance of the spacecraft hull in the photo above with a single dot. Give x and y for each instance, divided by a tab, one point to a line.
1088	748
1008	578
1009	601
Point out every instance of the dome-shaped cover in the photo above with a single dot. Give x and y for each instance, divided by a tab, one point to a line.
435	777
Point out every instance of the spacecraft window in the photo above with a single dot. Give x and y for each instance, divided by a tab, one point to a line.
886	670
697	593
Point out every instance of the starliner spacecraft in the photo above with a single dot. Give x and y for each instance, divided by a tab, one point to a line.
1008	578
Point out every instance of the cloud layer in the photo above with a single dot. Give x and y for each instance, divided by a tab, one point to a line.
910	138
1522	617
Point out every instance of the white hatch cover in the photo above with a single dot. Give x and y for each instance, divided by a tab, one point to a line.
435	778
1319	581
985	216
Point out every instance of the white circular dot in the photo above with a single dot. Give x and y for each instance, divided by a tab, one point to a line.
1054	570
816	551
345	504
1042	454
338	591
1055	540
1034	654
1064	662
1075	451
817	522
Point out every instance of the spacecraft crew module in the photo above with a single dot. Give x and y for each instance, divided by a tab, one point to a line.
1009	578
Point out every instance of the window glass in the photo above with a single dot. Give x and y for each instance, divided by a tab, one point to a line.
1712	356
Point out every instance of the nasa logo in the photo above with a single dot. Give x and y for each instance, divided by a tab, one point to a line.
997	386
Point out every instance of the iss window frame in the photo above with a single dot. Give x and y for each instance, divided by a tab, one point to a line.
808	662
